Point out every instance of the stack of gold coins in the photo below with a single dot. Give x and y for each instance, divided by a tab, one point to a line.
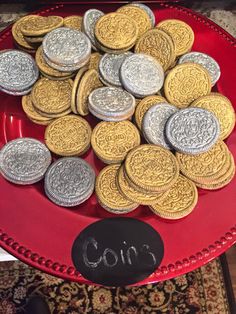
211	170
155	86
151	168
29	31
85	82
108	194
31	112
222	108
48	71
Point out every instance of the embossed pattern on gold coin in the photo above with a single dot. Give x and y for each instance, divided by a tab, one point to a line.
108	193
88	83
222	108
208	165
152	167
68	136
73	21
28	108
41	25
182	34
111	141
159	45
143	198
116	31
139	15
45	68
179	201
185	83
94	60
52	97
17	34
143	106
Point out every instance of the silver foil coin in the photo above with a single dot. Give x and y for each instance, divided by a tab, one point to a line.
23	92
148	11
111	104
204	60
141	75
18	71
88	24
154	122
69	181
24	160
65	68
66	46
192	130
109	68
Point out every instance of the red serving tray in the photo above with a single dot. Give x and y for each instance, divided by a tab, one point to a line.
41	234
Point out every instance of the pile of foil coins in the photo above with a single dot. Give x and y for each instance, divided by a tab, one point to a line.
158	126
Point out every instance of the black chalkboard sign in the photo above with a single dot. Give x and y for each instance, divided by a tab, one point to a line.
117	251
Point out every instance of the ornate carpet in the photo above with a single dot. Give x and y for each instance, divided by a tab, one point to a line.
202	291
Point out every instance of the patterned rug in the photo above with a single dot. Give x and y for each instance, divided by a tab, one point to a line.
202	291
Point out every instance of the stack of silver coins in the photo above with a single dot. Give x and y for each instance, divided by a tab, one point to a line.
192	130
66	49
18	72
24	161
154	121
88	24
109	68
111	104
69	181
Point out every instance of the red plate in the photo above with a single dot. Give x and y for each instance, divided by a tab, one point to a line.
41	234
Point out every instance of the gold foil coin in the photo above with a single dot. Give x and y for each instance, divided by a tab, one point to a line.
222	180
116	31
159	45
143	198
29	110
52	97
185	83
75	87
73	21
41	25
68	136
94	60
152	167
88	83
181	33
17	34
111	141
140	17
179	201
108	193
205	166
222	108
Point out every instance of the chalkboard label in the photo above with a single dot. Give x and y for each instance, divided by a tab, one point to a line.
117	251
